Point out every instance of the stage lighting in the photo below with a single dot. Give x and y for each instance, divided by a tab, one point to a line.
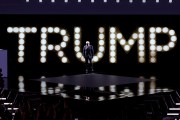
127	45
171	44
56	30
77	97
21	84
77	48
63	32
171	32
131	42
135	36
160	48
158	30
50	30
64	60
79	55
50	47
60	53
27	29
122	41
119	36
173	38
21	33
58	48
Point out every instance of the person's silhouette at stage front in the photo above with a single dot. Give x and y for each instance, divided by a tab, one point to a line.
88	53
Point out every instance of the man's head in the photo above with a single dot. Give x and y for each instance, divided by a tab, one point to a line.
87	43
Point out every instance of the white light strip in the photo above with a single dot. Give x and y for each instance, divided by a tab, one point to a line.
7	103
2	98
112	88
77	44
77	87
172	114
101	88
12	108
104	1
157	1
112	97
21	84
101	98
130	1
78	97
101	45
177	103
174	108
170	1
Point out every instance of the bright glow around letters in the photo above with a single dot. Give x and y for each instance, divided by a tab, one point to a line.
21	33
115	36
44	44
126	45
160	48
77	44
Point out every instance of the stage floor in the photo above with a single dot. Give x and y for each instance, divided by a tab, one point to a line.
93	80
91	87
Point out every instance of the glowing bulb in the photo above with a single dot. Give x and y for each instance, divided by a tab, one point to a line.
63	44
101	48
77	36
64	60
152	29
50	29
131	42
122	42
112	60
126	47
112	41
60	54
112	29
141	29
63	32
56	30
101	30
119	36
77	29
101	42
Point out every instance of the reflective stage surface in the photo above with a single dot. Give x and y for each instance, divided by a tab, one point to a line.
91	97
92	87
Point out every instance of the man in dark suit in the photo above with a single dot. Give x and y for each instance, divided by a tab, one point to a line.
88	53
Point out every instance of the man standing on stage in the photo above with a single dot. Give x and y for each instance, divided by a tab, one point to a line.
88	53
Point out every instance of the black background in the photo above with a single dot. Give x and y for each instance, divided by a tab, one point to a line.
127	64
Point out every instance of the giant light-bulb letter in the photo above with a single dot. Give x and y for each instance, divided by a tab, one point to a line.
101	44
49	47
21	31
154	48
115	36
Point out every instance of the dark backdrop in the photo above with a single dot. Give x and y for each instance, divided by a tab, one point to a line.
127	65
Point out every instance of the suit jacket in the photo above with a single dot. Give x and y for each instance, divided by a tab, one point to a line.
88	51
